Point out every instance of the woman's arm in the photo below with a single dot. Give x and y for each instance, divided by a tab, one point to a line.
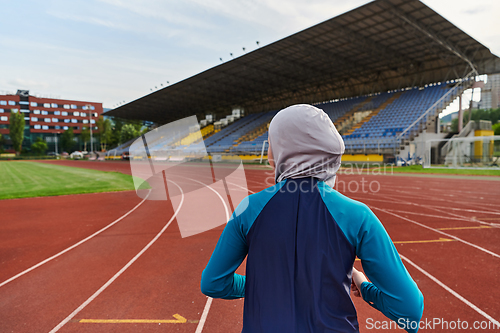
218	279
391	290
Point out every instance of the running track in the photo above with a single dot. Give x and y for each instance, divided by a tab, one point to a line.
131	263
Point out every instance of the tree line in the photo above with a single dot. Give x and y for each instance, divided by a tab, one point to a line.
109	133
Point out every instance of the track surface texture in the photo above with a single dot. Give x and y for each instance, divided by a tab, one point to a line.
114	257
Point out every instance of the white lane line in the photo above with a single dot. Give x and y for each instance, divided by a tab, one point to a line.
74	245
468	203
458	218
455	216
438	231
441	207
120	272
451	291
204	315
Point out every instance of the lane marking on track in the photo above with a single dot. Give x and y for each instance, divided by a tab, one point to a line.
441	207
74	245
438	231
427	197
124	268
178	320
451	291
461	228
455	216
204	315
440	240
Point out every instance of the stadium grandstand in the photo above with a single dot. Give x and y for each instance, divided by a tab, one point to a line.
383	73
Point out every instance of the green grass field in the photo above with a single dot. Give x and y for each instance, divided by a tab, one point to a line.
32	179
420	169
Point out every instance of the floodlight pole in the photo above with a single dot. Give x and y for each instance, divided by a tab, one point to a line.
90	125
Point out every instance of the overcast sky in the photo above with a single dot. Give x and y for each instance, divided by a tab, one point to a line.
112	51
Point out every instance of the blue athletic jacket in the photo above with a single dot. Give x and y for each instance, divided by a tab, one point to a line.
301	238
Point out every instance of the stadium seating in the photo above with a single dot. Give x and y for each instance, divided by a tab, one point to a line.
381	129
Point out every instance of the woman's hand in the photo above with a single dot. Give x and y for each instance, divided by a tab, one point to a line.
357	279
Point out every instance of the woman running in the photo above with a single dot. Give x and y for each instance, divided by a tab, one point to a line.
301	237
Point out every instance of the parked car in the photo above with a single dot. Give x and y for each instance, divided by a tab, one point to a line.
53	153
76	155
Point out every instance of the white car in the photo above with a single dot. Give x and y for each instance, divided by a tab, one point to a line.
76	155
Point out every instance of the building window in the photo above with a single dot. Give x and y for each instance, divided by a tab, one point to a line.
45	112
55	120
66	120
26	118
14	110
46	105
76	114
66	106
4	118
24	103
54	105
65	127
92	107
73	106
12	103
58	127
92	121
1	111
25	111
45	127
34	104
36	111
34	119
3	102
47	120
76	128
64	113
56	113
74	121
37	127
83	114
85	121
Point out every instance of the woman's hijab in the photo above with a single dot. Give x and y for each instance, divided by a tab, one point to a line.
305	143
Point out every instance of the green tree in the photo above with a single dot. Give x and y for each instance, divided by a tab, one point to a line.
39	146
85	137
116	131
128	132
105	132
496	128
16	130
67	139
492	115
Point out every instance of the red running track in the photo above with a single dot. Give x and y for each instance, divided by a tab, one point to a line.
446	230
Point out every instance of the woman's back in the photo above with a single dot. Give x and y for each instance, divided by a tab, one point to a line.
298	266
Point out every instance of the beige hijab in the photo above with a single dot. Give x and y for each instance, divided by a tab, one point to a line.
305	143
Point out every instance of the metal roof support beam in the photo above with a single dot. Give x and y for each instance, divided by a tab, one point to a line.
431	34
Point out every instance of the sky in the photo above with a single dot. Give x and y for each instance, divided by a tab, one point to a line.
115	51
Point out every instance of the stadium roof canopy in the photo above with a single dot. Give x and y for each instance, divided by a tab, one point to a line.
381	46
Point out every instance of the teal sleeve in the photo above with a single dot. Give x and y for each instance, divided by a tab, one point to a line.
219	279
392	290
